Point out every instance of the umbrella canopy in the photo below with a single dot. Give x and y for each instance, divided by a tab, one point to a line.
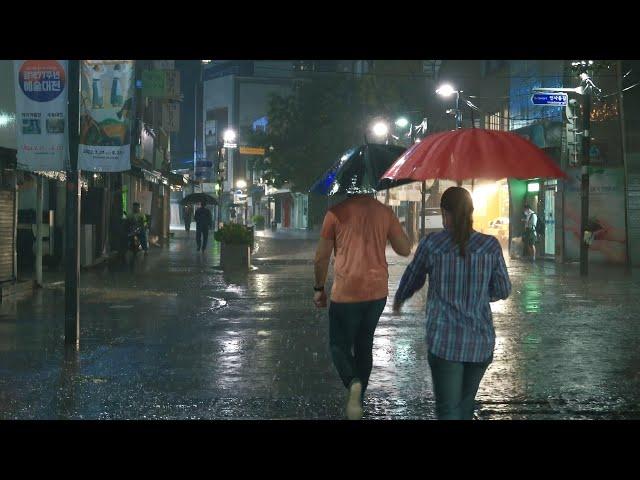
358	170
472	153
197	198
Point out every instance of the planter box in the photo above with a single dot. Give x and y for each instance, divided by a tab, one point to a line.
235	257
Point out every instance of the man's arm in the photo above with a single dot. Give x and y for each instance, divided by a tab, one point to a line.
400	243
321	268
326	245
321	261
399	240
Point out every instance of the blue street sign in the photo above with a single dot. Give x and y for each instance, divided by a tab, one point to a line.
551	99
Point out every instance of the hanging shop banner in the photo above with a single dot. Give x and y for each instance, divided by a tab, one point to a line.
41	114
106	112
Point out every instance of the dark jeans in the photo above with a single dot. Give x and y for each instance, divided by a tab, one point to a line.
455	385
187	225
351	329
202	234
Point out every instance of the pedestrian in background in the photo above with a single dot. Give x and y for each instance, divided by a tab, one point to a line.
139	219
357	230
530	235
203	223
188	213
466	271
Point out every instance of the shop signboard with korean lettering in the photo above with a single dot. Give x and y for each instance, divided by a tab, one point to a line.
153	83
558	99
106	113
41	114
164	64
161	83
171	83
171	117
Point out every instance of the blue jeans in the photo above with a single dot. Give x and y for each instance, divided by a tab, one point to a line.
455	385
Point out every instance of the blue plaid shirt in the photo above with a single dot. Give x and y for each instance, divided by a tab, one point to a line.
459	321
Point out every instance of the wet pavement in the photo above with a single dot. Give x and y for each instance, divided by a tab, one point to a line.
176	338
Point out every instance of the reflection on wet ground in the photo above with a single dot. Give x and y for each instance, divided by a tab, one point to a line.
178	338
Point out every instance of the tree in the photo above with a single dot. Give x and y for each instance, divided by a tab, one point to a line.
326	116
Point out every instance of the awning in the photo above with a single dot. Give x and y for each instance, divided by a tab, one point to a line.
545	134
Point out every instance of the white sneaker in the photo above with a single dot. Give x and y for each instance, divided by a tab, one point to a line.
354	404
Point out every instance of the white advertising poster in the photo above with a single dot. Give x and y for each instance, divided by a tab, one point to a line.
41	114
106	113
145	197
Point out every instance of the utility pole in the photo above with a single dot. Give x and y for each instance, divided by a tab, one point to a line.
623	139
39	202
586	147
195	136
423	191
458	120
72	214
585	241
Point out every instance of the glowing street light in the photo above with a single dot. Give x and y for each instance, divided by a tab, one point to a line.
380	129
241	184
446	90
402	122
229	136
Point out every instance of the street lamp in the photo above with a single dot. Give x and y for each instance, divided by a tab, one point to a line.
241	184
381	130
402	122
229	136
446	90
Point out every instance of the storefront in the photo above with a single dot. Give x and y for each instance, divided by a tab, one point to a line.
491	209
8	218
543	196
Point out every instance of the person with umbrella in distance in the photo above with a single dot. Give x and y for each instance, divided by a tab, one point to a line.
203	223
356	230
466	271
188	213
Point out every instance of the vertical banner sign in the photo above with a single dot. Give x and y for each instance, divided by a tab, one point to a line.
106	112
41	114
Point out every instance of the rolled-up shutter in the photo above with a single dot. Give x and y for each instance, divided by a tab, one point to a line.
7	235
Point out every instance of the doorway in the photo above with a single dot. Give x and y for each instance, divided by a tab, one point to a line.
549	217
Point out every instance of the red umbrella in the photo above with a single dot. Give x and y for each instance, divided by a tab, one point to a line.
472	153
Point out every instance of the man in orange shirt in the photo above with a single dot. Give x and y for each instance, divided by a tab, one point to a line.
357	230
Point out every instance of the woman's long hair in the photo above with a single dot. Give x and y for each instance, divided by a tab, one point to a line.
458	203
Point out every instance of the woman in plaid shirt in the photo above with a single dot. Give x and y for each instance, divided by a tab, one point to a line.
466	271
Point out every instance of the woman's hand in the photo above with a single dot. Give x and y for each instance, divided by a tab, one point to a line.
396	307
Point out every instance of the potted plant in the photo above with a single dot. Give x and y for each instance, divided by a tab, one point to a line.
235	246
258	221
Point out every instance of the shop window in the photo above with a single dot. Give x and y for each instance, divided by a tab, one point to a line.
493	121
